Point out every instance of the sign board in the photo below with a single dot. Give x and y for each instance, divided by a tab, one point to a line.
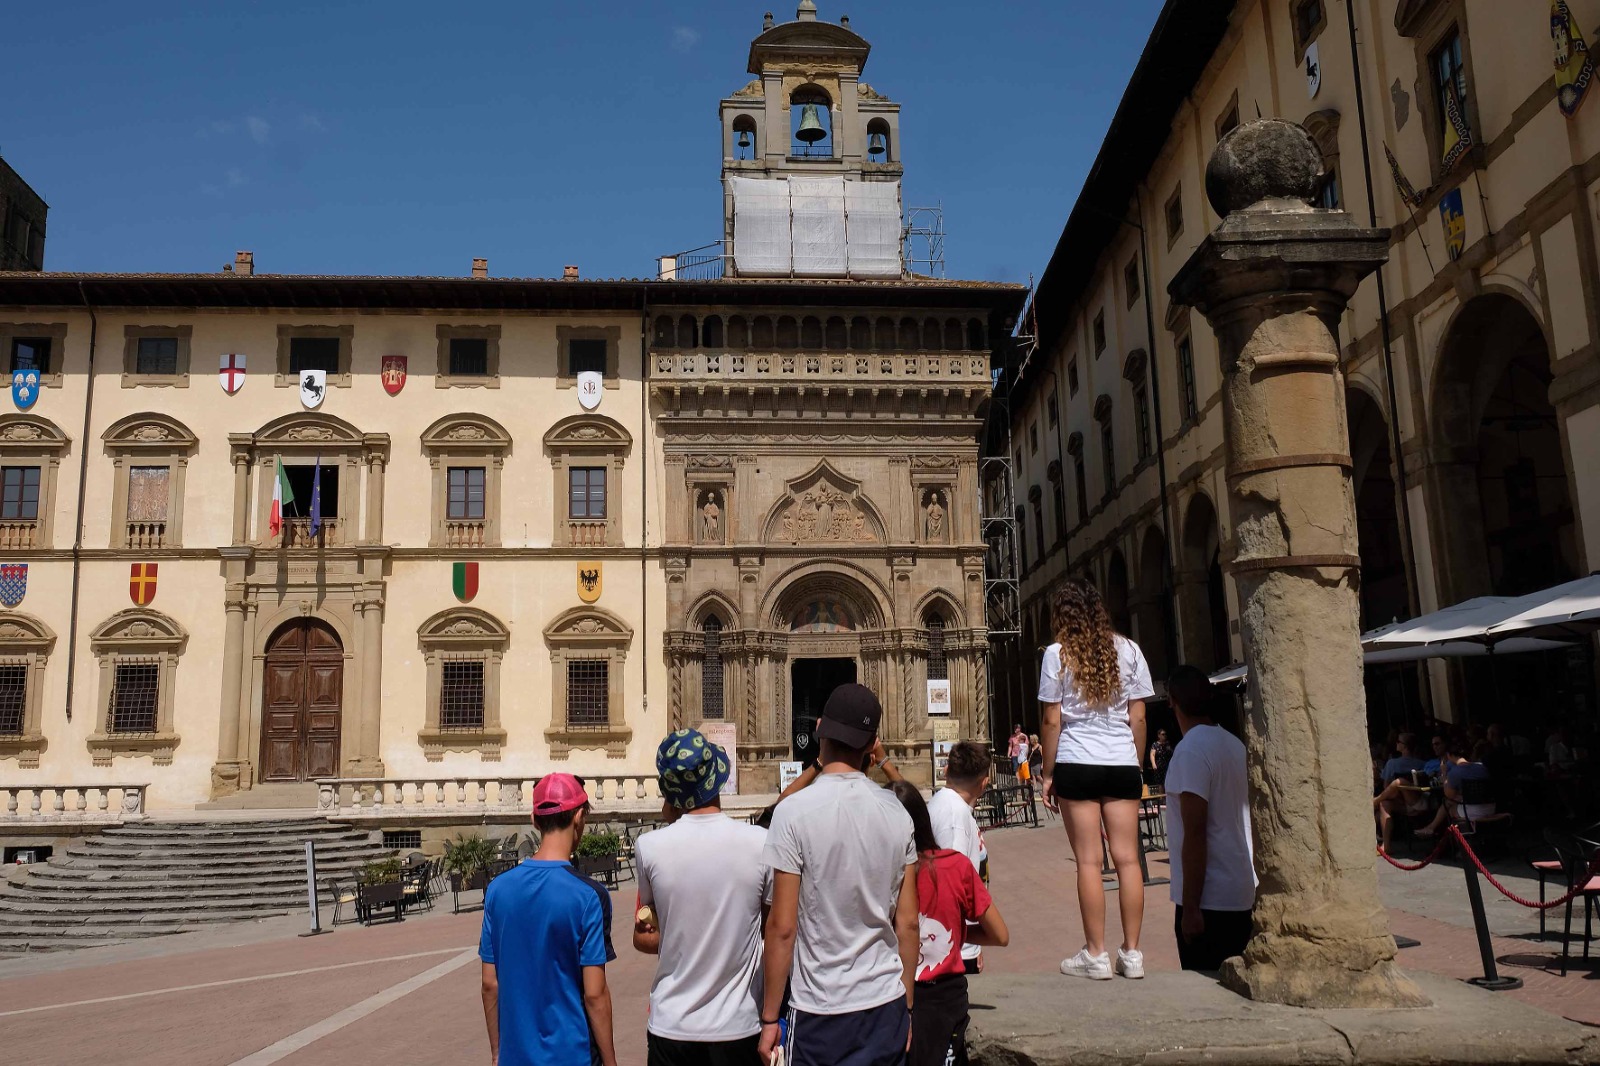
945	734
789	773
725	735
939	698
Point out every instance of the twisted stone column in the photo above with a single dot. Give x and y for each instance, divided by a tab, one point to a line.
1272	281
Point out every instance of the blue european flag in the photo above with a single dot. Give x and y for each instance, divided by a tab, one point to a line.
316	499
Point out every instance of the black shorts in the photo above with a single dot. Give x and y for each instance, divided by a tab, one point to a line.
665	1052
1091	781
874	1037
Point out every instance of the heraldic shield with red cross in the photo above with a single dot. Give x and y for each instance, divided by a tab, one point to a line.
142	583
231	373
13	583
394	374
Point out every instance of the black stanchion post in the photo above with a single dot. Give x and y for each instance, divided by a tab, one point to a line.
1491	978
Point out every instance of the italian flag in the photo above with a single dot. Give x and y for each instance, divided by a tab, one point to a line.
281	494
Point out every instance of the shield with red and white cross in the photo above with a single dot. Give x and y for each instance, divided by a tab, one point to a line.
231	373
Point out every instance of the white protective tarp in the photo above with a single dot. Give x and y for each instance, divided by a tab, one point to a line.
761	235
816	206
872	209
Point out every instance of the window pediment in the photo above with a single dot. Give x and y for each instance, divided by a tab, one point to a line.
305	427
33	433
25	632
463	627
149	431
1075	443
588	625
466	433
1134	366
588	433
138	627
1102	408
1412	14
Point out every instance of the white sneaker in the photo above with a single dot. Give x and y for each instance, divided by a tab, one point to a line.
1130	963
1083	964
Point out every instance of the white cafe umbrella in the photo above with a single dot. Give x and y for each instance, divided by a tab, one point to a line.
1468	620
1571	611
1455	649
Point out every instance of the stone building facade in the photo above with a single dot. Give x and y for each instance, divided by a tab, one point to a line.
1474	420
22	218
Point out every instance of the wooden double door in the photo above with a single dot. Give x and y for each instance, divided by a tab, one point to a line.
303	705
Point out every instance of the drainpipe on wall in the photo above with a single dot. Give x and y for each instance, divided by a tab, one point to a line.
83	479
646	455
1168	608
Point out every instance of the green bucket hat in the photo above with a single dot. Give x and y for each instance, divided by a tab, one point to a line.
692	769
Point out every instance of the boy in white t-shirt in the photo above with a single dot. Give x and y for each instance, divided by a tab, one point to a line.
1208	827
955	827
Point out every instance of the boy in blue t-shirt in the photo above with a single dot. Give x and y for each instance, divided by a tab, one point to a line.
546	939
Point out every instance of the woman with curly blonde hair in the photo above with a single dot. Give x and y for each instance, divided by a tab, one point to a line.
1093	684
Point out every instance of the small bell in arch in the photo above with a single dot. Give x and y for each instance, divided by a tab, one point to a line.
811	129
877	144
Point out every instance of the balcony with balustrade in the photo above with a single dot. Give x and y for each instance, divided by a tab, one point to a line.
465	533
19	534
146	535
297	535
586	532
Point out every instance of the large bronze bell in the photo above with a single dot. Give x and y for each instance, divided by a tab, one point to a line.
811	129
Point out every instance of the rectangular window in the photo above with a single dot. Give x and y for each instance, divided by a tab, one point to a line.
156	355
1033	438
135	696
402	840
1038	530
1082	486
1130	281
1108	458
302	480
1099	332
1328	197
1141	422
461	695
1058	500
1228	121
586	492
1449	78
586	354
712	703
1052	411
13	698
19	494
1072	376
1191	402
30	353
147	493
469	357
466	493
1175	215
588	693
1307	21
938	663
313	353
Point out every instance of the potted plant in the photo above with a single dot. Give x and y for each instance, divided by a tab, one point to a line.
466	859
597	856
378	885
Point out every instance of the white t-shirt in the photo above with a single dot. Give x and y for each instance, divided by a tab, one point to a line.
704	876
1209	762
1100	736
1022	750
850	842
955	828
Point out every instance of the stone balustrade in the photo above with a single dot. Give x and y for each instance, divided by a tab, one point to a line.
449	798
42	805
823	367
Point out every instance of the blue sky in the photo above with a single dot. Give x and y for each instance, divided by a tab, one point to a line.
406	138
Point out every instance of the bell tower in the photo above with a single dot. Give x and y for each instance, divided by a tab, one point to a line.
807	115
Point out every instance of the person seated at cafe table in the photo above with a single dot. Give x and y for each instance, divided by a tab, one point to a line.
1458	769
1400	794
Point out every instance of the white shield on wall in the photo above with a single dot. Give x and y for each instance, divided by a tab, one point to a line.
591	386
313	387
1313	71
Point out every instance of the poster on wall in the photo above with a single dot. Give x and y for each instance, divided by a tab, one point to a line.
725	735
938	698
789	773
945	735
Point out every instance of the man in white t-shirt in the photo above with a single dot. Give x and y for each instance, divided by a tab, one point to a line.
1208	828
843	924
955	827
702	892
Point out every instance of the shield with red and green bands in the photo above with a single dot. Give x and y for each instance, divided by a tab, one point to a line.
464	581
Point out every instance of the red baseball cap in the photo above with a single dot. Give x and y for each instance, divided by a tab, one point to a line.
556	793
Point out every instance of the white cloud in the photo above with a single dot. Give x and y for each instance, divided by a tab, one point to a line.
258	128
684	38
235	177
220	126
312	122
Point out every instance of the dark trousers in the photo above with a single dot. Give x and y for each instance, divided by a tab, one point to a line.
665	1052
1225	935
875	1037
939	1022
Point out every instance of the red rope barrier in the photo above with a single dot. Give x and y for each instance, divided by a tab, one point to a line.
1438	850
1594	868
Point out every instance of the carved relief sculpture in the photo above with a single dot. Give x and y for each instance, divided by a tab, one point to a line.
933	517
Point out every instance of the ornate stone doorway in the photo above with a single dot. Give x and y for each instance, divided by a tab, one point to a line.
303	705
811	681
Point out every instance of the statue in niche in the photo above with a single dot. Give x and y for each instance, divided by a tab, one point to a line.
933	518
710	519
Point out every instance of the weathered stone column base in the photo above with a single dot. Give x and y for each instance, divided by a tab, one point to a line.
228	777
1305	973
364	766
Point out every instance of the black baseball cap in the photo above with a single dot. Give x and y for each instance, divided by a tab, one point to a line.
850	716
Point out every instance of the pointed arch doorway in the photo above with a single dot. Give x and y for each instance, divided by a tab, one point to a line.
302	702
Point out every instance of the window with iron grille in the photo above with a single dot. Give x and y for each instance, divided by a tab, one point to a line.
135	696
1141	422
587	495
469	356
466	493
402	839
13	698
461	695
711	677
938	665
156	355
313	353
1191	402
19	493
588	693
586	354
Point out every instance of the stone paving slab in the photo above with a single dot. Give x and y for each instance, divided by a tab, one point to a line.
1185	1017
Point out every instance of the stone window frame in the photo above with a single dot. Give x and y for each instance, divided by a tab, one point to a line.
465	439
587	440
345	334
29	440
178	379
1130	281
1303	41
148	438
612	335
1097	333
443	379
1228	119
26	638
1188	383
1324	129
143	633
463	633
588	633
1172	215
1072	374
1058	498
1429	23
57	334
300	437
1108	445
706	474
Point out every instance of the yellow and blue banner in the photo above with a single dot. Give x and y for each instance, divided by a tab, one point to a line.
1574	65
1454	217
1457	134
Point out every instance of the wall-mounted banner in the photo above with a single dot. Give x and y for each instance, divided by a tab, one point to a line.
1454	217
591	387
938	698
725	735
1574	65
394	374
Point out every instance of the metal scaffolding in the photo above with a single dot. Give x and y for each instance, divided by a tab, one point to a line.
923	237
1002	571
